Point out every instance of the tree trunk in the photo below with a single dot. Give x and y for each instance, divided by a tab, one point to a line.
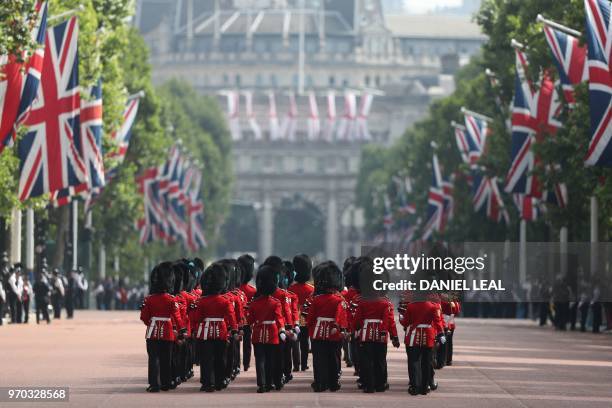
63	217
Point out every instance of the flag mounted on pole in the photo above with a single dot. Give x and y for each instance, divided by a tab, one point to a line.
17	92
50	161
122	136
435	202
599	41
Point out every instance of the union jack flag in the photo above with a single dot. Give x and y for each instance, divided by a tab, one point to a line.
195	214
533	112
435	202
89	146
478	132
528	206
487	199
123	135
16	92
404	187
464	143
151	226
449	203
49	158
599	41
569	58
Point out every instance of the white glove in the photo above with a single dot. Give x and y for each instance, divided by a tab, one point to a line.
283	336
334	331
296	329
442	339
294	337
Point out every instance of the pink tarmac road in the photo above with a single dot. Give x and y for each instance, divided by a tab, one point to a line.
101	357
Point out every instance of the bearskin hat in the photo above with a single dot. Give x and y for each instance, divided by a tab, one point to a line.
363	277
328	277
303	268
233	272
162	278
346	270
178	277
189	275
247	266
214	279
266	280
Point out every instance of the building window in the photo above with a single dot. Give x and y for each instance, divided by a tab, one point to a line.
345	82
258	80
273	80
237	80
225	79
332	80
377	81
309	81
367	80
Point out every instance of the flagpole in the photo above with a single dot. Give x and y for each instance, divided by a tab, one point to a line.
457	125
75	233
594	234
560	27
523	252
67	13
30	240
563	238
15	254
476	114
139	94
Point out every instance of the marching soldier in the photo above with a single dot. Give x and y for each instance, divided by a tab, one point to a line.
303	290
247	265
283	376
327	325
455	309
178	352
373	326
189	278
291	354
214	321
26	297
265	317
161	314
423	324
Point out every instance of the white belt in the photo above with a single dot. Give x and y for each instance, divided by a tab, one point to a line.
364	331
207	325
319	320
268	322
152	324
418	326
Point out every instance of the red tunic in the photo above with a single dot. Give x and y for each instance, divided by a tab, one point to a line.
285	300
327	317
213	318
187	299
303	292
161	314
249	291
266	319
423	322
374	320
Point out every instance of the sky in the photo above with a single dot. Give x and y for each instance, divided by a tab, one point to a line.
423	6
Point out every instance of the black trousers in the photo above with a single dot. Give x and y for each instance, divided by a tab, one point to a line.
14	307
449	346
69	303
56	301
373	370
325	362
42	307
160	362
230	357
354	353
584	314
188	356
597	316
212	362
420	370
287	348
277	367
26	310
304	341
440	353
265	355
246	347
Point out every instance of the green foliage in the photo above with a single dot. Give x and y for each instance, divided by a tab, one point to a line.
17	18
501	21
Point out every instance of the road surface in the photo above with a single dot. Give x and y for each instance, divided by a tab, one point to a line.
101	356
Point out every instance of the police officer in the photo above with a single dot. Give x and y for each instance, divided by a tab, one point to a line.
57	295
42	292
15	293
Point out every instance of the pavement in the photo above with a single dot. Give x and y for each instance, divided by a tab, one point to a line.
101	357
